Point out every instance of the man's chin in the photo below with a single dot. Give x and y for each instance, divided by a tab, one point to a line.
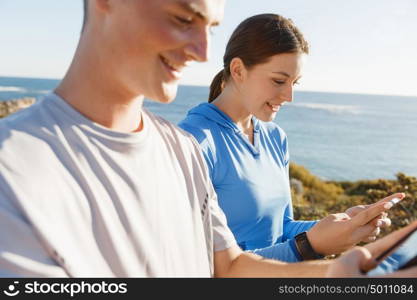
166	94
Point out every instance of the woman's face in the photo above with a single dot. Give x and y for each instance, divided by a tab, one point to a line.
266	87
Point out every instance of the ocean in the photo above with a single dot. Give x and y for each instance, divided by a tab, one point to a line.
336	136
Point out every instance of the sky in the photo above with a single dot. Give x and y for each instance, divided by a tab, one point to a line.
357	46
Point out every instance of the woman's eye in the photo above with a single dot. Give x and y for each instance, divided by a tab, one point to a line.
279	82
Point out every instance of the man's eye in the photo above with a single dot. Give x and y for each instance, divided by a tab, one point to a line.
279	82
296	83
184	21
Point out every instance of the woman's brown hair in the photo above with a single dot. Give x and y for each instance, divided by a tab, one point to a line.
254	41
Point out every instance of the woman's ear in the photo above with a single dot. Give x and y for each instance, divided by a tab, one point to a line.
238	70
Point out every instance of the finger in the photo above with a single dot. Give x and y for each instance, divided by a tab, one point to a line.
363	257
372	212
380	221
373	236
369	239
376	232
362	232
350	263
375	209
377	221
389	198
386	222
383	244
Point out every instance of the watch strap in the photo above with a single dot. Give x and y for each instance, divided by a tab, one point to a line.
304	247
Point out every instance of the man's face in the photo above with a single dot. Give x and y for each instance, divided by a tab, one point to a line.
150	41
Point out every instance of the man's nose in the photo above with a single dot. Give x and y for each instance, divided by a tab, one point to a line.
198	48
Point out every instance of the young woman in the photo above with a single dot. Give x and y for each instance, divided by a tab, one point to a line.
247	154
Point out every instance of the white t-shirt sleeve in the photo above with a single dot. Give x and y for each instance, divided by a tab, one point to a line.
21	252
223	237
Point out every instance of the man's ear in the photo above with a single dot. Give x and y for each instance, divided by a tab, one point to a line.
237	70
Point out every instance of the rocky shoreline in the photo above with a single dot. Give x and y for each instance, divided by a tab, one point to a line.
8	107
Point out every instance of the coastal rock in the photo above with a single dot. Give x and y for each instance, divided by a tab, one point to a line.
10	106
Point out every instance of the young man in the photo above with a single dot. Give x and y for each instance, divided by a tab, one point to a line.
92	184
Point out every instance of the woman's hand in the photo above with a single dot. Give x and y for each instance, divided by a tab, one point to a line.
339	232
381	222
362	259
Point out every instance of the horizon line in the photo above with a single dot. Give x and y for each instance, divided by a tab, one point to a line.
206	86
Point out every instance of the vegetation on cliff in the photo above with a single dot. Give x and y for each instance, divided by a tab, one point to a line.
10	106
318	198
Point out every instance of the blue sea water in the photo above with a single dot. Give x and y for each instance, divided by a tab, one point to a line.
336	136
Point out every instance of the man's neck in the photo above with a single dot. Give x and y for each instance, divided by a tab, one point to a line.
109	110
91	89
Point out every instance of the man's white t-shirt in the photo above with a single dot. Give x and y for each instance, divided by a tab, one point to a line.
80	200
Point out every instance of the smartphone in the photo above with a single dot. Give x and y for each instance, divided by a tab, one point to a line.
401	255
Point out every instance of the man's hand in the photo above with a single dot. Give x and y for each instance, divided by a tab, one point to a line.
337	233
362	259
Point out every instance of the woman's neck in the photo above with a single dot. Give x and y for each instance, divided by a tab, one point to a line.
229	102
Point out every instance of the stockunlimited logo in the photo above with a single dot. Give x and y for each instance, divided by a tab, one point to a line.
11	291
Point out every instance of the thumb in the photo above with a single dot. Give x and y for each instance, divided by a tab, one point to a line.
354	261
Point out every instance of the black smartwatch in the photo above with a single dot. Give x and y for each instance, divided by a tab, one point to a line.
304	247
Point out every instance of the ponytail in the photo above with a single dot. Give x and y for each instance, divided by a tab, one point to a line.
216	86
